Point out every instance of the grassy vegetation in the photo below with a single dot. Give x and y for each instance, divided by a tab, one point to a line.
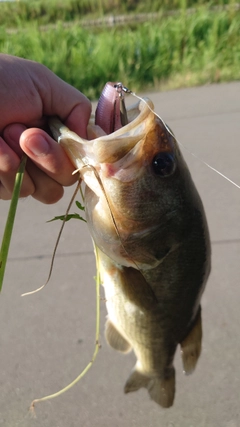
176	51
48	11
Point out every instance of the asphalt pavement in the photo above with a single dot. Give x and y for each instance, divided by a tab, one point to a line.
47	339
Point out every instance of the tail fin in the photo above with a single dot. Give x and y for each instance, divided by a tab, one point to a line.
161	390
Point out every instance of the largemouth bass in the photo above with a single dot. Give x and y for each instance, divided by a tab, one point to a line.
148	223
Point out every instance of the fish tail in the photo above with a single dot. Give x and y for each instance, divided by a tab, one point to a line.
191	346
161	390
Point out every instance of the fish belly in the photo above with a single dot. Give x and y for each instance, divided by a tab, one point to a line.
132	325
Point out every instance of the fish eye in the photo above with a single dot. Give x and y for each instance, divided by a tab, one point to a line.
163	164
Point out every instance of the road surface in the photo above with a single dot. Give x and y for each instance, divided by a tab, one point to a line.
48	338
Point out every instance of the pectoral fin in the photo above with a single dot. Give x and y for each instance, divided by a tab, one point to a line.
115	339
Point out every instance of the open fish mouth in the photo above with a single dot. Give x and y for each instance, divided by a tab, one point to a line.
116	140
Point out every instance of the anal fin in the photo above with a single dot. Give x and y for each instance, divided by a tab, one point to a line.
115	339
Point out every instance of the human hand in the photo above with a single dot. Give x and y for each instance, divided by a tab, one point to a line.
29	94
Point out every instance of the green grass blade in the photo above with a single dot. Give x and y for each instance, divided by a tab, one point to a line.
67	218
97	343
10	219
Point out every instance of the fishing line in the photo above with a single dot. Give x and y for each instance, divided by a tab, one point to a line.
128	91
209	166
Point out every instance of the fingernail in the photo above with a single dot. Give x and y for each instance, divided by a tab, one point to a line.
38	145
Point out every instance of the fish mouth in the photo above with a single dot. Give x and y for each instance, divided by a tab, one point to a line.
102	150
117	147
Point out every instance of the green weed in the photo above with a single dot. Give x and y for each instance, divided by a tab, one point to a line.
49	11
183	50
